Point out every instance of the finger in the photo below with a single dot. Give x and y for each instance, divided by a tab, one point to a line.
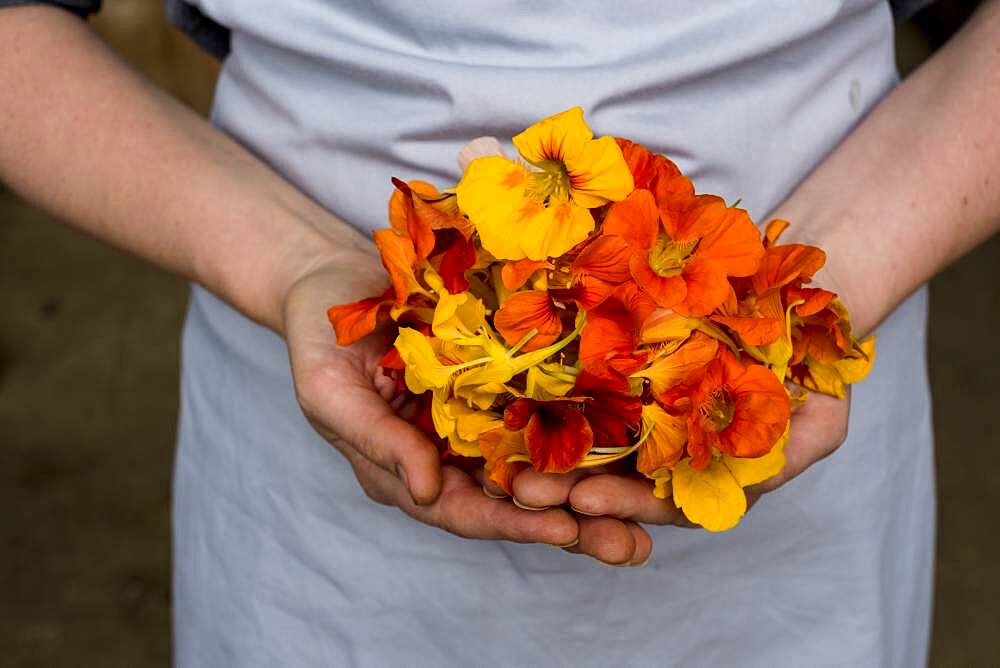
817	430
624	498
370	426
533	489
643	544
606	539
463	509
490	488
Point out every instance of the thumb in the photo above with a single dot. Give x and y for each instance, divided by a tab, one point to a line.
369	425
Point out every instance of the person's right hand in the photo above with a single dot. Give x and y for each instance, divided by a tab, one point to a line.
346	398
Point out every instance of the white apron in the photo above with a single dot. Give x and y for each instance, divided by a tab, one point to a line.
280	558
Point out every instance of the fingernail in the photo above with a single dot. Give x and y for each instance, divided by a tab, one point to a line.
576	541
641	563
492	495
524	507
584	512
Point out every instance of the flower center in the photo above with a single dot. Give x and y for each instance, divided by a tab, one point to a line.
717	409
668	257
550	181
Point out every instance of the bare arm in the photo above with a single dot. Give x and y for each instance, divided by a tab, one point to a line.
89	140
917	184
914	187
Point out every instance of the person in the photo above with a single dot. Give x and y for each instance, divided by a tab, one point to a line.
280	557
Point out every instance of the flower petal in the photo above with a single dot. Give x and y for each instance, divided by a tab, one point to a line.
667	371
554	138
493	194
496	445
399	259
353	322
785	263
731	239
706	287
635	219
598	174
552	230
605	258
665	440
526	311
710	496
558	436
752	470
516	274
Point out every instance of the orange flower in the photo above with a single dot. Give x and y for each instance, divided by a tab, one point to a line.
610	339
556	433
682	261
741	410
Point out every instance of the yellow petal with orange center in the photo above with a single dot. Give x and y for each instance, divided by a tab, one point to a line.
710	497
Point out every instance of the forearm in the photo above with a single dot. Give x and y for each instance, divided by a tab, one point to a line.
916	184
85	137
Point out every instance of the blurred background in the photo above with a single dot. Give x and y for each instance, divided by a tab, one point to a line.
88	402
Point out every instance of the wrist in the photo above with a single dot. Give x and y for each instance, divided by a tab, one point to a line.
262	266
851	270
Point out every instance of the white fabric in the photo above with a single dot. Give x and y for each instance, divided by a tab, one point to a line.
281	560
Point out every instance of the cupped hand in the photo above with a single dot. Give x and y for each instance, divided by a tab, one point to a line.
346	398
818	428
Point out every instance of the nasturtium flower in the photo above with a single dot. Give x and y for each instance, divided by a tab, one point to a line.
461	425
832	378
613	409
424	370
666	371
541	208
458	316
481	385
683	260
739	409
556	433
713	495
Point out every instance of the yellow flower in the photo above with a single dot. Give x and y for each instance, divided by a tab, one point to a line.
713	496
461	425
541	209
480	386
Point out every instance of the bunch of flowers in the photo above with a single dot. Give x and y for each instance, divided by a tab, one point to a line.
580	305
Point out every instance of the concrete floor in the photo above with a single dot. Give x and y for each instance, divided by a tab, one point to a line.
88	398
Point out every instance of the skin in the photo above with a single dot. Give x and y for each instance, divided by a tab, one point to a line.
171	188
933	201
